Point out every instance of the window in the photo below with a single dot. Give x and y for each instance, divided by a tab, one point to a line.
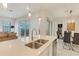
6	26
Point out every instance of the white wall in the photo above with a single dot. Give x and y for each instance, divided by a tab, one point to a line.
43	25
55	23
34	24
62	20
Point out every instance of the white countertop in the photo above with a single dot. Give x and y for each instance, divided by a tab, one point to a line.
18	48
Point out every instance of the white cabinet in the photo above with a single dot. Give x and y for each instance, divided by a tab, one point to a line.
54	47
51	50
45	52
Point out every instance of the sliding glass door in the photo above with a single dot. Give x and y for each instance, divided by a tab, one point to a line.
23	28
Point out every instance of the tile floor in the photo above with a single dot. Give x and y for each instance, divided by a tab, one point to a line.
64	52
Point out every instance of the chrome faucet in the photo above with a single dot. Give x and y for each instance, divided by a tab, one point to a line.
32	33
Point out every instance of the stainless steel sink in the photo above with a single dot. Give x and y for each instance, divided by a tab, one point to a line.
36	44
41	41
33	45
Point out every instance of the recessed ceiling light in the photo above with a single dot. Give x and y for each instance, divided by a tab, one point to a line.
39	19
27	8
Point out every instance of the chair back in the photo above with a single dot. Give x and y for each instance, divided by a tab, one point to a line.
76	38
67	36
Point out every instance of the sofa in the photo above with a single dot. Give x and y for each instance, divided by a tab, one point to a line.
4	36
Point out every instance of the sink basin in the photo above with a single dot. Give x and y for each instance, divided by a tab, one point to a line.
33	45
36	44
41	41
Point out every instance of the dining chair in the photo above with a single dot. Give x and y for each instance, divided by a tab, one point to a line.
75	42
67	39
76	39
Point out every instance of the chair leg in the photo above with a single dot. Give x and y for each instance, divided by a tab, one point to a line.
72	46
63	45
69	46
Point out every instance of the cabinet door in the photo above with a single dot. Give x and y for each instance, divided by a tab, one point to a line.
54	47
50	49
45	52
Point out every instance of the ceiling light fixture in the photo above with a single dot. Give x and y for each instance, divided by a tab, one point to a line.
4	5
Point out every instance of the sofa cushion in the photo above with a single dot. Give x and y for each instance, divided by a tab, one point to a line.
11	34
3	34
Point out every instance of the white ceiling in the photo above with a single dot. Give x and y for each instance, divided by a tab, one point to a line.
38	9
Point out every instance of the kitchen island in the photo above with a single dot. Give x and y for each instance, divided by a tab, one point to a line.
17	48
